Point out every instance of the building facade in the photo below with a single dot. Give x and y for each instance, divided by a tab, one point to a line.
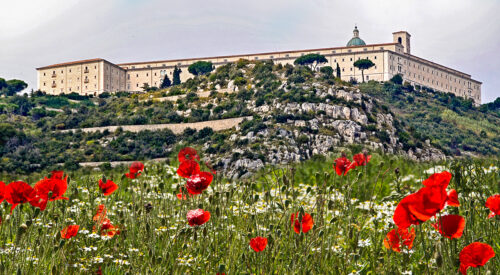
95	76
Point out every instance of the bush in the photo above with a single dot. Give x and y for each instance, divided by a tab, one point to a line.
397	79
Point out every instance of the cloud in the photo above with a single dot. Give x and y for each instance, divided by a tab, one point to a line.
459	34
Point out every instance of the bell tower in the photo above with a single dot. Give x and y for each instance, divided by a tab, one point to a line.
403	38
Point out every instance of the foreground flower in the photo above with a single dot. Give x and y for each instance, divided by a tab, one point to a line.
2	191
360	159
474	255
395	238
188	153
18	192
305	224
493	203
188	168
450	226
342	165
107	187
198	182
135	170
100	215
50	189
197	217
69	231
258	243
426	202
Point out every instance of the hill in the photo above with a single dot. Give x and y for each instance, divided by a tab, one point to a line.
296	113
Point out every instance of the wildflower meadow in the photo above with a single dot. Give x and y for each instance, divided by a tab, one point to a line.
352	214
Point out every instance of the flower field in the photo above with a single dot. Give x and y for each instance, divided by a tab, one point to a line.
354	214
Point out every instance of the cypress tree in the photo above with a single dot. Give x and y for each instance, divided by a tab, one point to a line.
177	76
166	82
338	71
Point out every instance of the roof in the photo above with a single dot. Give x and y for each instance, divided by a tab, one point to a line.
356	41
254	54
402	32
73	63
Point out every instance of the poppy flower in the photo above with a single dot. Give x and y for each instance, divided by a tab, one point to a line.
258	243
403	217
305	224
342	165
57	174
108	229
135	170
474	255
100	215
107	187
55	187
395	238
2	191
450	226
197	217
493	203
360	159
198	182
18	192
452	198
188	168
188	153
69	231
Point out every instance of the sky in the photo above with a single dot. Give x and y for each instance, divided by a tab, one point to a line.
461	34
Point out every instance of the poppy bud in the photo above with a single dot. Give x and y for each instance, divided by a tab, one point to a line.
205	232
29	222
396	171
283	189
222	268
217	211
439	258
320	234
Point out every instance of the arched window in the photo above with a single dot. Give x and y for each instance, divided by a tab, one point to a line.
400	41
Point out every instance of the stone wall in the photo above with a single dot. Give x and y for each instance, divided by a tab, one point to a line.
177	128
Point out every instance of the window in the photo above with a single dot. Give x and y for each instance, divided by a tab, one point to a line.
365	49
349	51
128	76
351	69
272	56
147	74
375	57
70	70
381	48
95	67
43	74
43	83
351	58
342	60
155	74
133	67
62	81
367	77
137	75
256	58
343	69
333	51
287	55
137	85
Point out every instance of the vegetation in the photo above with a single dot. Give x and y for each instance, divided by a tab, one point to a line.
148	230
201	68
166	82
312	60
363	64
176	76
11	87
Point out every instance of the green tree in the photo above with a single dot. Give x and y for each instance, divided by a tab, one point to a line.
6	131
166	82
176	76
312	60
3	83
338	71
397	79
363	64
201	68
11	87
327	71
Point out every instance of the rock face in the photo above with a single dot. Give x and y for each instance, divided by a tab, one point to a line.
315	128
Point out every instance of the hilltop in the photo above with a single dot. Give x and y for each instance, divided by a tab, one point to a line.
290	114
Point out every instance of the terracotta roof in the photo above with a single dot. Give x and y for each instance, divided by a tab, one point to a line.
254	54
73	63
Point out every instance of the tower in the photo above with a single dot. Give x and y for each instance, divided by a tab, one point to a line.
403	38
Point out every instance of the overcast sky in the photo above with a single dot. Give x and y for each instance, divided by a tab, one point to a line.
461	34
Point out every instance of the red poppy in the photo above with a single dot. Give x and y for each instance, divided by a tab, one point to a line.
395	238
403	217
18	192
188	153
2	191
438	179
258	244
69	231
188	168
450	226
197	217
107	188
108	229
474	255
100	215
452	198
306	224
56	186
135	170
360	160
493	203
57	175
342	165
198	182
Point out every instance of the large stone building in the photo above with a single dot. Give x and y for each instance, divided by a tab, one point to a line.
95	76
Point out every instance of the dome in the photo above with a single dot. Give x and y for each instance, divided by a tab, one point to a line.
355	40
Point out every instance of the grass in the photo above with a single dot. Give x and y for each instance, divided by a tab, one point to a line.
352	216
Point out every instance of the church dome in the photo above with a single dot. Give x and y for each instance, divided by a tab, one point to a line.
355	40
